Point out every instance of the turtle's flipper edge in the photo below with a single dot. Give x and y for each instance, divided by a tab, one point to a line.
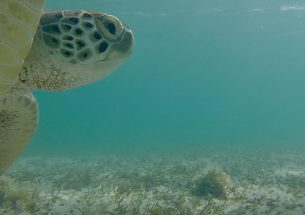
18	119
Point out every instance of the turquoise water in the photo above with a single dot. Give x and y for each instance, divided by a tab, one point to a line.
208	113
203	73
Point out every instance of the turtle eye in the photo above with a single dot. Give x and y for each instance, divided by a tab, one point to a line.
110	26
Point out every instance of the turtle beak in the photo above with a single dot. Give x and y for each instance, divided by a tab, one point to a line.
123	47
126	43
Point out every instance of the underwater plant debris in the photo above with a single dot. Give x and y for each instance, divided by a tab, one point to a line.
156	185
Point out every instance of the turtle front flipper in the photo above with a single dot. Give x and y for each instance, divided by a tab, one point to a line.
18	24
18	119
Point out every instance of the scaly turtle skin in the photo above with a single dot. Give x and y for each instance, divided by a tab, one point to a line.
70	49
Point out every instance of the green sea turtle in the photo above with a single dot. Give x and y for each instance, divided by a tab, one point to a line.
55	51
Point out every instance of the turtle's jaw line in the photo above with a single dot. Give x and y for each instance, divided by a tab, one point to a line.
121	49
125	44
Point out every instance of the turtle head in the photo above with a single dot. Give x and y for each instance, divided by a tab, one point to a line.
115	39
117	36
111	42
82	46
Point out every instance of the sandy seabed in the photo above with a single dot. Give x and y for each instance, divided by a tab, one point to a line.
212	183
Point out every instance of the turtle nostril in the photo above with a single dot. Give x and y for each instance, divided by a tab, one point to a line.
110	27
